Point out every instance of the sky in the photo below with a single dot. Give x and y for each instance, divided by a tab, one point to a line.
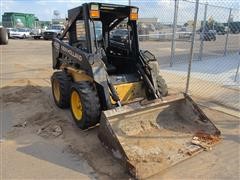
161	9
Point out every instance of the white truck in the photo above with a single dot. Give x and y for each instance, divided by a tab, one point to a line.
53	31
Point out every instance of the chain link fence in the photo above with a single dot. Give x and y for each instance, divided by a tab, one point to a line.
166	28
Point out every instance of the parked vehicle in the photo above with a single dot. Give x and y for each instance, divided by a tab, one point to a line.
184	33
10	31
20	33
220	30
53	31
208	35
36	33
234	27
119	35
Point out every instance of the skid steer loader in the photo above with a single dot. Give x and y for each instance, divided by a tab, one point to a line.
105	79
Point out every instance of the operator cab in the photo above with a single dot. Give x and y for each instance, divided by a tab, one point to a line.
110	30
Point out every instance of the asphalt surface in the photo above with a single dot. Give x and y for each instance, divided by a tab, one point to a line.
162	49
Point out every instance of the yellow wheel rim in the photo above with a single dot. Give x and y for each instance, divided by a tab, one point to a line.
56	90
76	105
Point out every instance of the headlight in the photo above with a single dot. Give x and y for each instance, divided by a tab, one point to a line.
134	14
94	11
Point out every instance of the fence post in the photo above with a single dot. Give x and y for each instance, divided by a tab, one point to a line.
228	30
202	33
236	75
192	45
174	31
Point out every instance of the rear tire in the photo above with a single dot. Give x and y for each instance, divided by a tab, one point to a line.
3	36
162	86
61	83
85	105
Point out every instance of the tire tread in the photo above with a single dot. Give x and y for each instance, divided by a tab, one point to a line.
90	102
64	82
162	86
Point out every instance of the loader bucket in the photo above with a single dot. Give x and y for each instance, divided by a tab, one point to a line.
148	138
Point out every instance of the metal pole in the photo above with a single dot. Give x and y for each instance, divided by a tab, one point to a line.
192	45
174	31
202	33
228	30
236	75
129	2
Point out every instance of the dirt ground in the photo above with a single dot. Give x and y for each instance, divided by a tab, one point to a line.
39	140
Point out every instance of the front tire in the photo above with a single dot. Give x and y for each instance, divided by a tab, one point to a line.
85	105
61	83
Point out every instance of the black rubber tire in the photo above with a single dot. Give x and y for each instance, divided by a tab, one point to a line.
24	36
3	36
90	104
64	84
162	86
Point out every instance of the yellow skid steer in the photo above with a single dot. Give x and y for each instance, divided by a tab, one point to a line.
105	79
